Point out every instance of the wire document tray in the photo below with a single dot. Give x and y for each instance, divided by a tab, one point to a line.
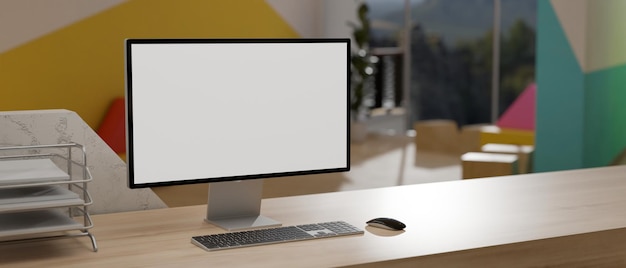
43	193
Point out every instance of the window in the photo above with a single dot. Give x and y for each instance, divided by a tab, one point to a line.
451	56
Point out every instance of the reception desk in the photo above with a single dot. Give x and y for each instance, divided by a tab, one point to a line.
559	219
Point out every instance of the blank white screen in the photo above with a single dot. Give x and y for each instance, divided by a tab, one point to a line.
219	110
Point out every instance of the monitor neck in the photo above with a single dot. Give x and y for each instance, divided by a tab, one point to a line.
236	205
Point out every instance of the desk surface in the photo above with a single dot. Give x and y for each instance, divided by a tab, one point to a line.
556	218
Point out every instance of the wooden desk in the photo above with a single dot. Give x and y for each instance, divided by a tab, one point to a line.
561	219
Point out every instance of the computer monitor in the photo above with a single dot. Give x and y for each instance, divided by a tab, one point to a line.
230	112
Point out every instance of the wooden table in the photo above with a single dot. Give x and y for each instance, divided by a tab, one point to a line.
559	219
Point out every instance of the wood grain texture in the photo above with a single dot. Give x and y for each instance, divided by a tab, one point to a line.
559	219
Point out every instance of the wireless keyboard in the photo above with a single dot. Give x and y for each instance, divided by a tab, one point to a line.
274	235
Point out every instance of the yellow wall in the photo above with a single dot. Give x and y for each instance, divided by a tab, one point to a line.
81	67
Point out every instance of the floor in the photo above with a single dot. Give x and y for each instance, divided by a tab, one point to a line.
381	161
386	158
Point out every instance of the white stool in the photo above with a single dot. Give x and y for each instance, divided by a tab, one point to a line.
524	154
479	165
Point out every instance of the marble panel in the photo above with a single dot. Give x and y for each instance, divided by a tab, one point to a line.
109	187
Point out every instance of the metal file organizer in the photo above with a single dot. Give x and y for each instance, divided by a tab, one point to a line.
43	193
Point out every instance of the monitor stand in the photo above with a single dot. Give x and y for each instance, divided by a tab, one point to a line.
236	205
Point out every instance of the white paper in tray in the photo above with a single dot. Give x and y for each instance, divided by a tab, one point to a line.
30	171
33	222
35	194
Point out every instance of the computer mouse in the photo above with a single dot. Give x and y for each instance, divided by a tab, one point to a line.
386	223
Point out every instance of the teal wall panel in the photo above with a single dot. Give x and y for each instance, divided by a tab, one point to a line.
560	97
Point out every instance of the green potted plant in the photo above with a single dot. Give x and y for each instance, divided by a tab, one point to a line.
361	71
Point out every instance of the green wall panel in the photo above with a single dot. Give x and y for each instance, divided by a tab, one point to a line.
605	117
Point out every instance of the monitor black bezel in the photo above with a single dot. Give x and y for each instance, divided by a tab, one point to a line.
129	121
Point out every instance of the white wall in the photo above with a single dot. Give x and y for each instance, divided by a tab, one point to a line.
318	18
335	16
22	21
